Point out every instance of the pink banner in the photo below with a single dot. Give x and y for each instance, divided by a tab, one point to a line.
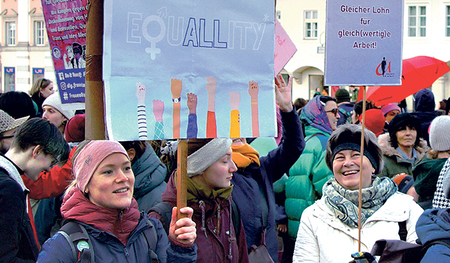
66	29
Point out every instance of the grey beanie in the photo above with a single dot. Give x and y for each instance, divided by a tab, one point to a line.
55	101
440	133
204	157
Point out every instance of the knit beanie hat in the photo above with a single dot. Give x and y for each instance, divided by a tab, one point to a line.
402	120
374	121
55	101
75	129
389	107
348	137
342	95
90	157
8	123
204	157
440	133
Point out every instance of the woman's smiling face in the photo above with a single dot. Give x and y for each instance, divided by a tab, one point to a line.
347	167
112	183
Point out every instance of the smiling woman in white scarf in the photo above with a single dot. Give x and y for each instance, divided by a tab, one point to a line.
328	229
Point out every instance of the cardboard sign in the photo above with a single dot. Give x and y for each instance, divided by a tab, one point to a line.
184	69
363	43
66	29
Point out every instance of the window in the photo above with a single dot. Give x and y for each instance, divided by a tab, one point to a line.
447	27
39	36
310	24
10	79
417	21
10	33
38	73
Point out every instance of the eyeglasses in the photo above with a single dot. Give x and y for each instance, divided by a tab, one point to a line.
6	137
334	111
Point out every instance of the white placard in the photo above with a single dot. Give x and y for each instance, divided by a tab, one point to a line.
363	42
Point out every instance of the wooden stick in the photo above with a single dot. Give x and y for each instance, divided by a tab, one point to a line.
94	105
181	176
361	166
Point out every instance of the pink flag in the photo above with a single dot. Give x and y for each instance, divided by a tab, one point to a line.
284	47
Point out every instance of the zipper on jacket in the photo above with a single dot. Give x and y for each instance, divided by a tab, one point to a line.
120	220
218	220
202	207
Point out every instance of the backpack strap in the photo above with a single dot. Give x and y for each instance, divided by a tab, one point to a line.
402	231
151	238
81	246
79	241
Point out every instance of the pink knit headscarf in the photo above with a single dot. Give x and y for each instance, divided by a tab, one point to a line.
90	157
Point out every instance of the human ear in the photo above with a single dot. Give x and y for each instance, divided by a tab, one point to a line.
37	150
131	153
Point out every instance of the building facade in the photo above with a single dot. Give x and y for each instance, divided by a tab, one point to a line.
24	49
426	32
25	52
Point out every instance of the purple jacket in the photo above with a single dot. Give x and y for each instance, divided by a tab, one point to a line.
213	245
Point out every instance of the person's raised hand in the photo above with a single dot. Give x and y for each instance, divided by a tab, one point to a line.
283	94
175	88
140	92
192	103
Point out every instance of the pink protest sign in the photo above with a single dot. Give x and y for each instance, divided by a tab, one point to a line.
66	29
284	47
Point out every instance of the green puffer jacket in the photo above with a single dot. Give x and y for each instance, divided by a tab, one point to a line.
306	177
394	163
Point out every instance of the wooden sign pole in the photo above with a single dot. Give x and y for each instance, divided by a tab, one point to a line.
181	176
94	104
363	122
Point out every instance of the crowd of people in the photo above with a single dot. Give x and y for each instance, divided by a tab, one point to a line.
294	198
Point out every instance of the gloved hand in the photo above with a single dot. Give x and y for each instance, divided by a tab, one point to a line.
363	257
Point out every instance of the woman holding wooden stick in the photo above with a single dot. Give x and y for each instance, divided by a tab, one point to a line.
220	234
328	229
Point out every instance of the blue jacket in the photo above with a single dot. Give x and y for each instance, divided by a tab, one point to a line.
150	174
250	184
107	248
434	224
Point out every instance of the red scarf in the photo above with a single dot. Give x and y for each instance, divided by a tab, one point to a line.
76	206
